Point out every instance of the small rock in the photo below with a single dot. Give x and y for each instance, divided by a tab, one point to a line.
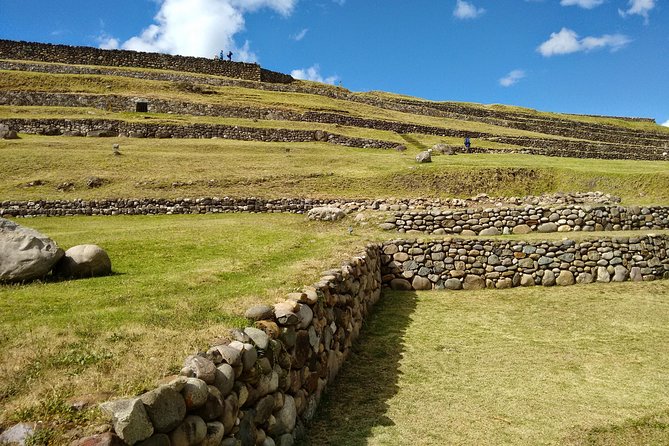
130	420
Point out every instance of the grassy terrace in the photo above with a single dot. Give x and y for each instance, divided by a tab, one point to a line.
583	365
233	96
191	168
179	283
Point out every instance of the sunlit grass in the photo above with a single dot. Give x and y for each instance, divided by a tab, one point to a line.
577	365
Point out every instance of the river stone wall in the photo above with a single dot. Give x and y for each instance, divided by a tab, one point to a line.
509	220
261	387
115	128
81	55
209	205
476	264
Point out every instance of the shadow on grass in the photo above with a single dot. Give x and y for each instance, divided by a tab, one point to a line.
357	400
648	430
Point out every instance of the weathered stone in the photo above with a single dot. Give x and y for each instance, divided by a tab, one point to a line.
421	283
259	313
473	282
111	439
130	420
635	274
329	213
620	274
306	315
603	275
213	408
165	407
453	284
285	418
225	379
387	226
258	337
400	285
424	157
195	393
526	280
286	313
585	278
490	231
548	278
504	284
521	229
25	254
565	278
18	434
547	227
214	435
202	368
192	431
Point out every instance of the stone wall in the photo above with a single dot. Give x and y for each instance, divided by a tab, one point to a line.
80	55
212	205
516	220
476	264
113	128
262	386
652	149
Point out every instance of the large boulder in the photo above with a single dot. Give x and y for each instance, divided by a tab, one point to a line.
25	254
443	149
84	261
424	157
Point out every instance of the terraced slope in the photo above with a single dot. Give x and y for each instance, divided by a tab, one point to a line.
282	105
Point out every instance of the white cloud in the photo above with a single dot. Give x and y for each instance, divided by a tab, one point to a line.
107	42
313	73
666	124
638	7
512	78
586	4
567	41
465	10
200	27
299	36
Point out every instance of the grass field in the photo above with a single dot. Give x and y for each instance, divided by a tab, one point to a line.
179	282
583	365
151	168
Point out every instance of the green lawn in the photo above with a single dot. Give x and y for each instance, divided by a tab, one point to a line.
148	168
179	282
583	365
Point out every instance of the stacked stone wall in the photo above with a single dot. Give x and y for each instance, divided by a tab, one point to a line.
212	205
113	128
476	264
522	220
263	385
80	55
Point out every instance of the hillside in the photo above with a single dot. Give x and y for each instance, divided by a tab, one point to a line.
142	137
279	123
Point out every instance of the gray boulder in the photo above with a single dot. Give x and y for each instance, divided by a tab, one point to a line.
443	149
129	419
84	261
25	254
424	157
328	213
165	407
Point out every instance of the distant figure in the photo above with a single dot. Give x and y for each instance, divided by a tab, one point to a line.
229	56
468	143
221	55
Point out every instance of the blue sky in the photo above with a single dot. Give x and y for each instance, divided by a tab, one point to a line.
579	56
